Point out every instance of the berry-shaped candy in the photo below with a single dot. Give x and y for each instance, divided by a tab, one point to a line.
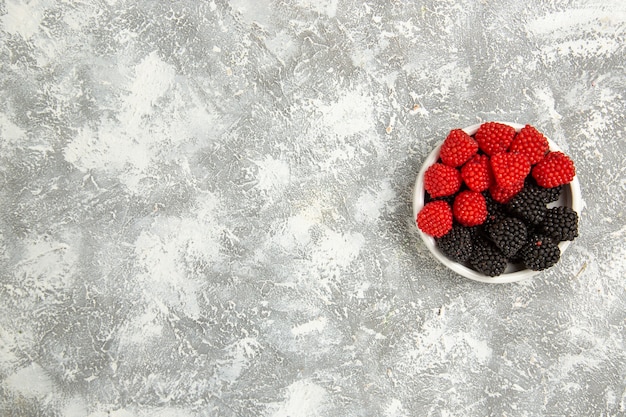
435	218
540	253
476	173
509	169
504	195
509	235
457	148
495	211
552	194
493	137
528	206
553	170
560	223
470	208
547	195
441	180
530	142
487	259
457	244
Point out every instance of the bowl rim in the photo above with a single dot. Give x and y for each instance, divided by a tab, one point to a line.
429	241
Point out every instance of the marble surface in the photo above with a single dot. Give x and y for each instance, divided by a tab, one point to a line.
205	208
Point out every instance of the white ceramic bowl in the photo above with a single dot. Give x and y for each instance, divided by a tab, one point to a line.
570	197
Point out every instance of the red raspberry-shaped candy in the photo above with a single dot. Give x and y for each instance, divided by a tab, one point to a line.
457	148
441	180
435	218
477	173
509	169
530	142
469	208
504	195
553	170
493	137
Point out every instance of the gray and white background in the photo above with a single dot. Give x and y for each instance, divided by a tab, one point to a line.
205	208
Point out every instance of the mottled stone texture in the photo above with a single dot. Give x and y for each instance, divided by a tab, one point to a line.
205	208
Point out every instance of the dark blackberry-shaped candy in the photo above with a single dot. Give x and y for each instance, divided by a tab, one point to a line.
487	259
509	235
547	195
456	244
560	223
528	205
495	211
477	232
552	194
540	252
